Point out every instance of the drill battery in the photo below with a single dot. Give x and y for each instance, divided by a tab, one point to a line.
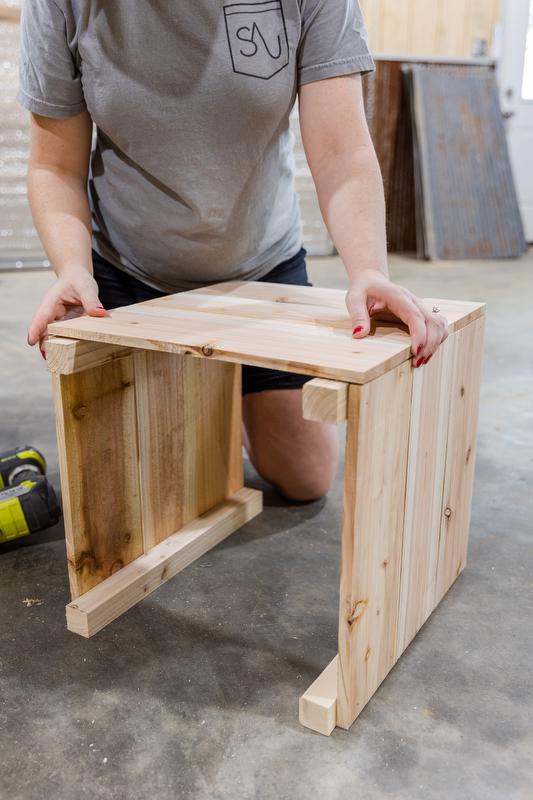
28	502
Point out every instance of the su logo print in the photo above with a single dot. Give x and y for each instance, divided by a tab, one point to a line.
257	38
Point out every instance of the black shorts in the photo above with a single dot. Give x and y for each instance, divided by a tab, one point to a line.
117	288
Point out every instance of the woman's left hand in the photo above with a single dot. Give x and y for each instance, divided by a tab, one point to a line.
372	294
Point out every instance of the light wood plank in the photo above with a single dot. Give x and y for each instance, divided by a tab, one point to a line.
160	402
451	16
394	28
9	13
67	356
325	401
299	329
190	441
318	706
97	438
422	36
460	459
213	465
111	598
430	408
375	482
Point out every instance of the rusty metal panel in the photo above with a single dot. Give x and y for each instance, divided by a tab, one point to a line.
465	194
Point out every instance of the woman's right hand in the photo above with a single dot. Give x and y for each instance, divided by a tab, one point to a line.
74	293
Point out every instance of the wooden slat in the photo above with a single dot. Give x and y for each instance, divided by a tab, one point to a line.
67	356
300	329
9	13
325	401
375	482
422	35
460	459
425	478
212	454
394	28
318	706
190	447
97	438
160	401
111	598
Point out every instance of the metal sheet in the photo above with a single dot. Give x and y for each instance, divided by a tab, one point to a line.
464	186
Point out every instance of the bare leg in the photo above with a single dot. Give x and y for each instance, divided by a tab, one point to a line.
297	456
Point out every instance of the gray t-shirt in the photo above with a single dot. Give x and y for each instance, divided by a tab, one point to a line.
191	178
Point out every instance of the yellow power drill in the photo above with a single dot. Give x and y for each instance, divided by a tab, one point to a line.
28	502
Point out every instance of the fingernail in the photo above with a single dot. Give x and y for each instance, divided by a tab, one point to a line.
419	350
43	353
358	329
420	362
429	357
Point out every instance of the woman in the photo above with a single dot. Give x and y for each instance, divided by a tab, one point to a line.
190	178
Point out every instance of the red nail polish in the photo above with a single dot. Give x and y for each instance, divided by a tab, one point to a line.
428	358
420	362
358	329
419	350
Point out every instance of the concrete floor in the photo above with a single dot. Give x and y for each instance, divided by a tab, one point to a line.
194	692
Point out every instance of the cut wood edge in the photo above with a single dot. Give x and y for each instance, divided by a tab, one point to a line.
9	13
318	706
325	401
95	609
67	356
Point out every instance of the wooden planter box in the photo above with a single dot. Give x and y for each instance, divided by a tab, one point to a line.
148	407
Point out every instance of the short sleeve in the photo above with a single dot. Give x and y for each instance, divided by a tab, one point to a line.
333	40
49	80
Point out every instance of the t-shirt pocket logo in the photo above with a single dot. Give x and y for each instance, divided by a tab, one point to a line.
257	38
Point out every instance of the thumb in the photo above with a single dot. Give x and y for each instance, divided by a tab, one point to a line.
360	317
91	303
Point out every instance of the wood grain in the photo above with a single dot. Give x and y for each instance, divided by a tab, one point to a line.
111	598
97	438
292	328
430	408
190	443
375	481
460	459
318	706
325	401
67	356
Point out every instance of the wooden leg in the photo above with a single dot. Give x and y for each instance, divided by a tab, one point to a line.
375	476
98	456
149	443
406	517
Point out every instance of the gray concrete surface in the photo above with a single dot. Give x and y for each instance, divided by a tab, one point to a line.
194	693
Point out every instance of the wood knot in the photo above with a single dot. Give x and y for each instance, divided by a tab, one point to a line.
462	391
207	350
80	411
116	566
367	654
85	563
385	563
356	611
127	538
468	454
447	512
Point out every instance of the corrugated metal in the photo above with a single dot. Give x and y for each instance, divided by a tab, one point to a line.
464	184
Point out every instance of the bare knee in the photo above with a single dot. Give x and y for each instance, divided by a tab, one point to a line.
307	487
297	456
